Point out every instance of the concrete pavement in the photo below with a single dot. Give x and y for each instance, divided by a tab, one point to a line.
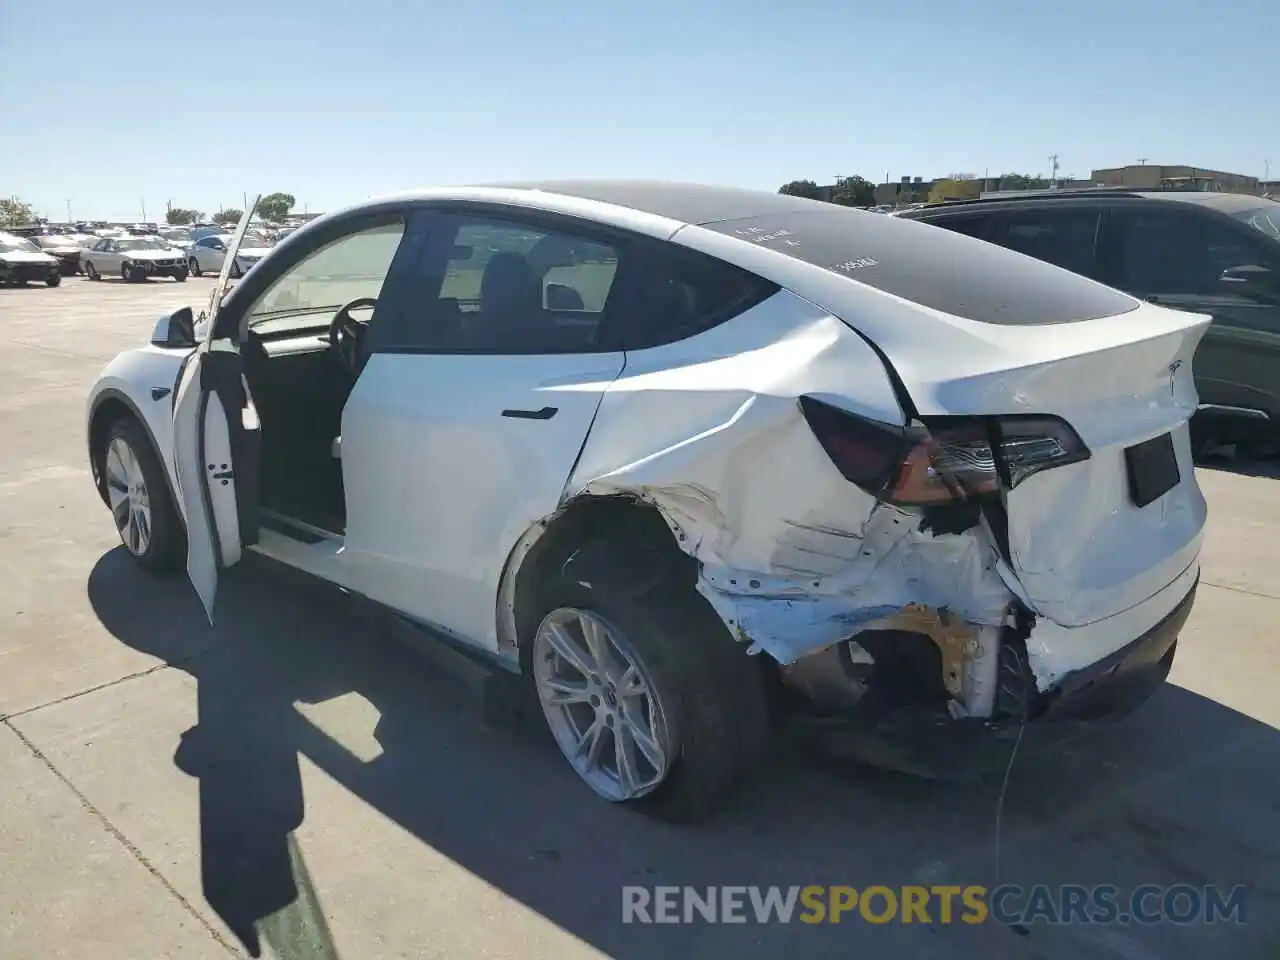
296	778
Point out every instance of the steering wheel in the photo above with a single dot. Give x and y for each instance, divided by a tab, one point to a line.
346	333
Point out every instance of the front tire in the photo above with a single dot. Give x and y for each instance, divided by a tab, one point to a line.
193	267
658	678
138	494
54	280
180	275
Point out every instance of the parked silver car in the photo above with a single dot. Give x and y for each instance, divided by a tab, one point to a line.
134	258
207	254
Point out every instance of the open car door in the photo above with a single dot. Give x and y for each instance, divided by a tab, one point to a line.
217	444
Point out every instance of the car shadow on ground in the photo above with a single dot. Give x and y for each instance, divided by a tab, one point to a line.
1182	792
1246	464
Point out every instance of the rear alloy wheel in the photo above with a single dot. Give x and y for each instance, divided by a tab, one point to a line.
141	507
647	695
601	704
91	271
193	266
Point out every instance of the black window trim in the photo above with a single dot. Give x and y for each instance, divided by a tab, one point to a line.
231	317
633	249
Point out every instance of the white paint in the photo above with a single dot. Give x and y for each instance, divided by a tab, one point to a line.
188	458
793	556
134	373
1053	650
440	485
445	495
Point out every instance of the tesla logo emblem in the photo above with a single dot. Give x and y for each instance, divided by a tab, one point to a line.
1173	375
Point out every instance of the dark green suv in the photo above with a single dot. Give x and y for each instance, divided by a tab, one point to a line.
1214	253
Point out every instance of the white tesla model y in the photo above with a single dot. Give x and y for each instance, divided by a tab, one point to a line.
689	459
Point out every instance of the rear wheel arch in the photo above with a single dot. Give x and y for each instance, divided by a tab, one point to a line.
634	533
617	556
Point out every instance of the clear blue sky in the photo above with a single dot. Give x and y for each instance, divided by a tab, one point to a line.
109	105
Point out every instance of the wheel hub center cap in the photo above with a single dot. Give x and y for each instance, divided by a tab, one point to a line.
610	698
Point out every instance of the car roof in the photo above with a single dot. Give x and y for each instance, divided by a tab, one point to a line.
1224	202
690	203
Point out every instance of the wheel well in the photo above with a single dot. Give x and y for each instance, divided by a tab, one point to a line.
105	414
635	543
620	520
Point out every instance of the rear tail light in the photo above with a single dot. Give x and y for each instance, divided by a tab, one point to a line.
944	459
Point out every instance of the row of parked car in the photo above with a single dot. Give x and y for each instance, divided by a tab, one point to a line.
136	253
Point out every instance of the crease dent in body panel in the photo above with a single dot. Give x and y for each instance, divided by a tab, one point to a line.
793	557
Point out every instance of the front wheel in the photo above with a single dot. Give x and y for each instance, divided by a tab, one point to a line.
648	696
144	514
180	275
53	280
193	267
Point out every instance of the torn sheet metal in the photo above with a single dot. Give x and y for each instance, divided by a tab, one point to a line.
793	557
1053	651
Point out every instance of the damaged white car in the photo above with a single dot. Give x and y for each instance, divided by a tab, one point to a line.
690	459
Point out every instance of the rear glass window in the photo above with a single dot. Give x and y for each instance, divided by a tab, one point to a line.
937	268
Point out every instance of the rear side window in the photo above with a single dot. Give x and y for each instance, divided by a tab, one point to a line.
1066	238
934	267
674	293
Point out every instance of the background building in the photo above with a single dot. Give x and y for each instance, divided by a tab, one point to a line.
1153	176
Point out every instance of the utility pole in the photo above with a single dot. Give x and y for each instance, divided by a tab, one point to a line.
1053	169
144	210
1266	169
68	211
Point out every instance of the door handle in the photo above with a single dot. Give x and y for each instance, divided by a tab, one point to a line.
546	413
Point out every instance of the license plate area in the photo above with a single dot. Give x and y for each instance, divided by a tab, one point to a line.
1152	468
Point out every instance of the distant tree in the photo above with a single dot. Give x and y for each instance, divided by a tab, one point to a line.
230	215
276	206
15	212
854	191
801	188
1022	181
178	216
954	189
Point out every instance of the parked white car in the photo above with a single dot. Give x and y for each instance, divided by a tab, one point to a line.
685	457
208	254
133	258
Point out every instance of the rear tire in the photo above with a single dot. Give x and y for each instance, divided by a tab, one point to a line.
193	267
711	695
235	270
166	546
91	271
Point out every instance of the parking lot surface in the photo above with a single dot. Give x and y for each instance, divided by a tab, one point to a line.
296	778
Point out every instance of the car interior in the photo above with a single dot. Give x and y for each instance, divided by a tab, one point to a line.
300	374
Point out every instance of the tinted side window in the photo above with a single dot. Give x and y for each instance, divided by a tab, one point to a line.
673	293
492	285
971	226
1065	238
1176	252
